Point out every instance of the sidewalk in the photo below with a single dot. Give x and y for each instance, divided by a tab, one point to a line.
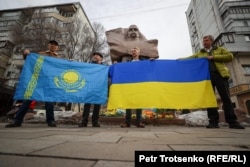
70	146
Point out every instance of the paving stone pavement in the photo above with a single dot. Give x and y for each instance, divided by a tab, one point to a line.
70	146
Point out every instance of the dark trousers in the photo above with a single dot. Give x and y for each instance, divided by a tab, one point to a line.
49	107
222	87
95	114
138	116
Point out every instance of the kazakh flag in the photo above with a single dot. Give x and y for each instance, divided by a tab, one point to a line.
172	84
49	79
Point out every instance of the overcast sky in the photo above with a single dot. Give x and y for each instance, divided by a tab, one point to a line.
164	20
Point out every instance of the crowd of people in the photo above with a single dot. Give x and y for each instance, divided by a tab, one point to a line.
219	75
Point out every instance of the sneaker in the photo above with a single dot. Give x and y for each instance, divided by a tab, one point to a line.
96	125
13	125
140	125
52	124
212	126
82	125
125	125
236	126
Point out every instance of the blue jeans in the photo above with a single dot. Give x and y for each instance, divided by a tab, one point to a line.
138	116
49	106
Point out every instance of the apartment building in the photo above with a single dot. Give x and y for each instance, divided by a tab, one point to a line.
229	22
32	28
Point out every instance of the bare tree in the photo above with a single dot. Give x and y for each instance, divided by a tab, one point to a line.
78	40
78	37
42	29
36	33
17	31
100	41
100	44
16	34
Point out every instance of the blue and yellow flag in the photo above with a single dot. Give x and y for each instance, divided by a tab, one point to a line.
172	84
49	79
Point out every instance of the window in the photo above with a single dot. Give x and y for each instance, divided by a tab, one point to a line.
197	48
3	24
194	29
225	14
3	44
190	15
219	42
220	1
245	22
247	38
66	24
15	84
246	10
246	69
69	14
228	38
240	10
11	23
48	20
3	34
230	82
10	14
8	74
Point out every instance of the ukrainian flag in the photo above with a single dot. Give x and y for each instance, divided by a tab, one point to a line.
173	84
50	79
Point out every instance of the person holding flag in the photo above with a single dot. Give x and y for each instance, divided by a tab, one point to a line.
49	106
96	59
135	57
219	75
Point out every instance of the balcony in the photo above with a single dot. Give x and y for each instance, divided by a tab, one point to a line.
67	8
241	29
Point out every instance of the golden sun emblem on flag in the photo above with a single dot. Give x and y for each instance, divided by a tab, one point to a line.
70	81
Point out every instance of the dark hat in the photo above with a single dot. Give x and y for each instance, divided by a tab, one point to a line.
53	42
97	53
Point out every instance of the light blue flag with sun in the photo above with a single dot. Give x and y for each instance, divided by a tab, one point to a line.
50	79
